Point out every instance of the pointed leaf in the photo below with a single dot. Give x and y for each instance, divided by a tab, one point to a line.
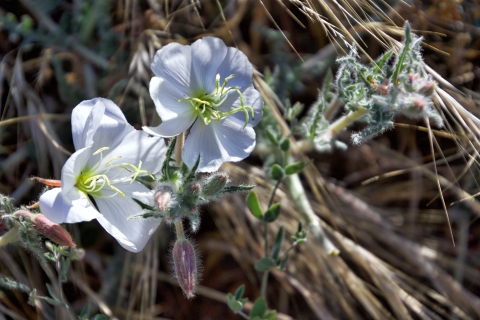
277	245
239	292
232	189
143	205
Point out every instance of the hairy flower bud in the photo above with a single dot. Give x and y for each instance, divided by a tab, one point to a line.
214	184
428	88
163	197
193	189
53	231
186	266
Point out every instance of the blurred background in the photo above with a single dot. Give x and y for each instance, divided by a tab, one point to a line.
378	202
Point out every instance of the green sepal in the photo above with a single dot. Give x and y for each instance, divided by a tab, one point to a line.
143	205
193	172
232	189
264	264
259	308
146	215
295	168
272	213
254	205
277	172
277	245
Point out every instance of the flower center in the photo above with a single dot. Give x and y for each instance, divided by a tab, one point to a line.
206	105
92	181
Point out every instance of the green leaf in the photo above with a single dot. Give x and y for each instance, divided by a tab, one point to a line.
272	136
254	205
272	315
277	245
239	292
56	302
283	263
272	213
168	158
382	61
295	168
285	145
234	304
265	264
403	54
277	172
259	308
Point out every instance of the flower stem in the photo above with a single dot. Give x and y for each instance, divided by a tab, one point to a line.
9	237
299	196
263	290
179	148
346	120
179	229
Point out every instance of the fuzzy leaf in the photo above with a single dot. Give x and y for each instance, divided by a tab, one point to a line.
295	168
277	172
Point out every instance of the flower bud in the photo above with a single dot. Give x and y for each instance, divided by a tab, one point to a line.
193	189
163	197
53	231
185	266
214	184
428	88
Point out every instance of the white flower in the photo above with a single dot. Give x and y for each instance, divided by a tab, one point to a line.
101	174
208	88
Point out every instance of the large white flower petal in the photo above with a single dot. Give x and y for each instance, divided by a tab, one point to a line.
98	121
207	55
236	62
172	127
252	98
173	63
217	143
73	167
59	210
165	95
131	234
138	146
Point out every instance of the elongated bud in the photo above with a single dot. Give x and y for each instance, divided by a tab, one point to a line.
193	189
186	266
214	184
53	231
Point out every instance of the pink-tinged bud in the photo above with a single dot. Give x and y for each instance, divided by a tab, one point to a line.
380	88
214	184
419	103
163	197
193	188
412	77
53	231
186	266
428	88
